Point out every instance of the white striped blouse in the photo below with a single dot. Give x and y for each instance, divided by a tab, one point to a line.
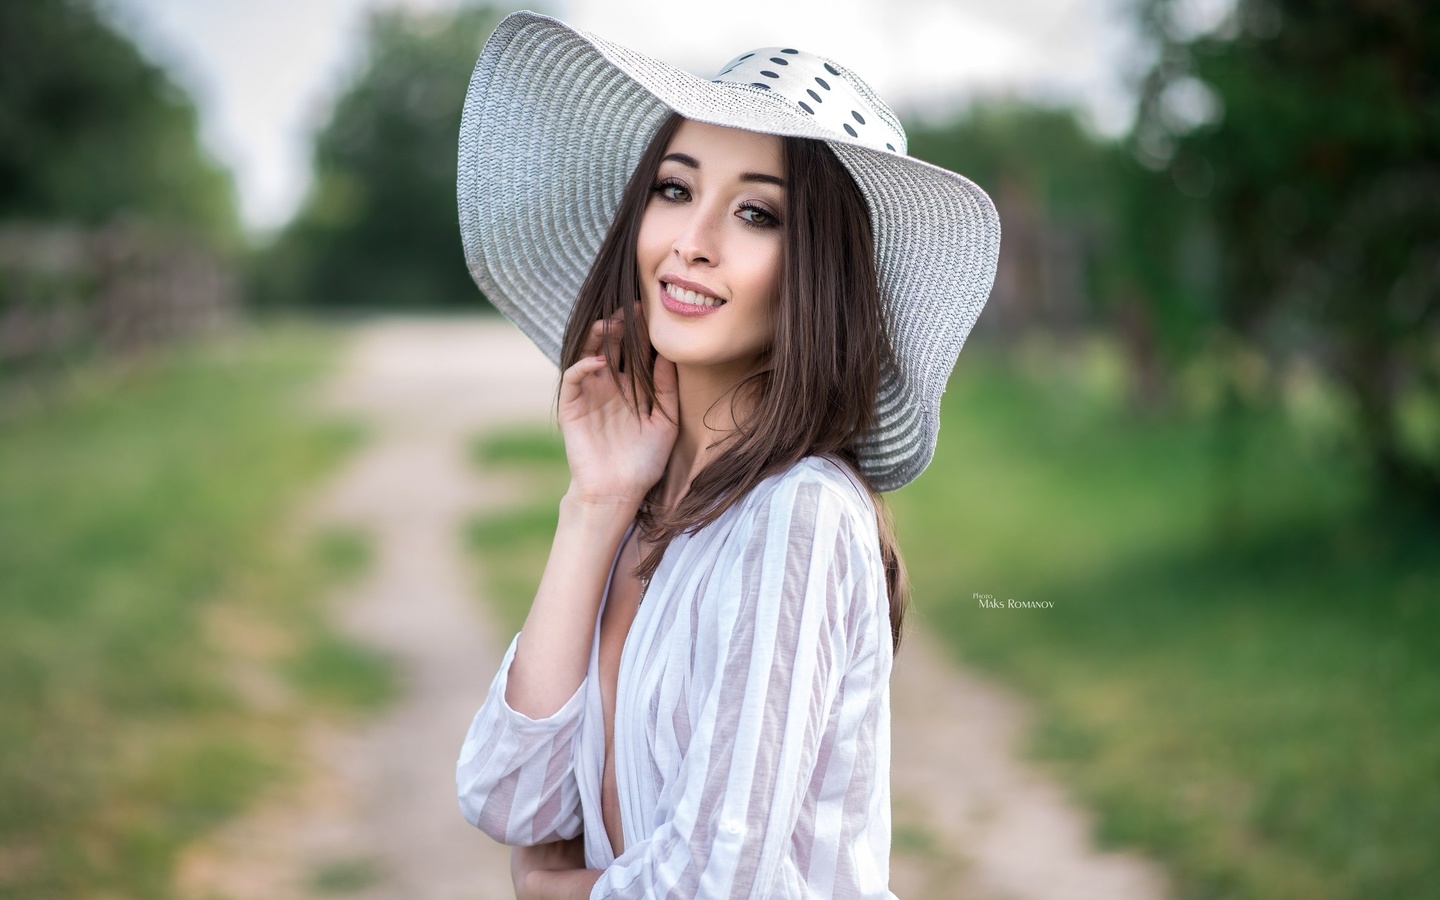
752	715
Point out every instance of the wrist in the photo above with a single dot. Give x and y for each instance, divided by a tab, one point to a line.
599	508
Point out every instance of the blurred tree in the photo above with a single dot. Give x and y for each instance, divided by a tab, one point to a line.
1047	176
91	130
379	227
1085	237
1310	134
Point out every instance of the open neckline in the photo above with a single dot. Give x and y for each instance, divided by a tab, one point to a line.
605	754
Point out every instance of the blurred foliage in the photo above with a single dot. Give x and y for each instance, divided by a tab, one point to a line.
379	228
1044	152
1136	256
151	609
1272	216
92	131
1309	136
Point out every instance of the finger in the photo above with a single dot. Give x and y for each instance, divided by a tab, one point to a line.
612	332
570	380
594	338
584	366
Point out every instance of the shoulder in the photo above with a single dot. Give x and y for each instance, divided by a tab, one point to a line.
805	547
814	497
818	481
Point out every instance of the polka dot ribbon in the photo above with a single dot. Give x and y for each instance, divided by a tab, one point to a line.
816	87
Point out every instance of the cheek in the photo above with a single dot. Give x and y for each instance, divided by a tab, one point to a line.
769	277
777	268
656	235
646	243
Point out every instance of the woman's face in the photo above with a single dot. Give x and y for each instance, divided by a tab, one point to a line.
710	247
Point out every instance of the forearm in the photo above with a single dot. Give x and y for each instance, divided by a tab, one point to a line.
559	884
554	645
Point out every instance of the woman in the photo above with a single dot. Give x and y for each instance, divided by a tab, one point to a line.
755	299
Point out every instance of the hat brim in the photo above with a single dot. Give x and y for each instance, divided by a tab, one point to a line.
554	124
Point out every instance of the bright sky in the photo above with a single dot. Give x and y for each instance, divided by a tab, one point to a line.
264	72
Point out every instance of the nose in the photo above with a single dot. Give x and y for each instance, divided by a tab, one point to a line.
697	242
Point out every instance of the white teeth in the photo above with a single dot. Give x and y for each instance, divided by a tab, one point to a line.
678	293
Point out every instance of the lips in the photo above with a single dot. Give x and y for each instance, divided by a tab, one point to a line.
682	299
694	298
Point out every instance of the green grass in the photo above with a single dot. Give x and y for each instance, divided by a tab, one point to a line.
146	580
346	876
511	545
328	669
533	449
1239	671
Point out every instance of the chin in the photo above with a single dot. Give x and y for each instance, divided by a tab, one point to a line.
681	352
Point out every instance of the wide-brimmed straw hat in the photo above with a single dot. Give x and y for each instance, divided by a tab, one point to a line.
556	119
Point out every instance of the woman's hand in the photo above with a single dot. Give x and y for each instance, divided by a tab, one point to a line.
551	871
616	454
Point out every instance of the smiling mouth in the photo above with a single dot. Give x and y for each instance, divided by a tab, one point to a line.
688	297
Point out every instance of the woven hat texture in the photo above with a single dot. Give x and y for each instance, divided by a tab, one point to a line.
554	124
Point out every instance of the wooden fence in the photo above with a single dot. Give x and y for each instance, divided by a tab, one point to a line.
68	291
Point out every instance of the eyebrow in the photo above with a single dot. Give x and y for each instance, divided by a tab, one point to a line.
692	162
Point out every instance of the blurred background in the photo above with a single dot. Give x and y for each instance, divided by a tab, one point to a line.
1200	415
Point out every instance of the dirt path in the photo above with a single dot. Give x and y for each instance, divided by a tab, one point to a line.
972	820
376	816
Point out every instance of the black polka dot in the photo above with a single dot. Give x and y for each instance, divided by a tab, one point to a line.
850	130
805	106
778	61
747	56
831	69
820	81
765	87
788	50
769	74
812	93
889	146
859	118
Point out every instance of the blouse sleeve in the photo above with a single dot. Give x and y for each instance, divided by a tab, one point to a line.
516	775
779	619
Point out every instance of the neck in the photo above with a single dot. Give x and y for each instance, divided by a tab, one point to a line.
709	409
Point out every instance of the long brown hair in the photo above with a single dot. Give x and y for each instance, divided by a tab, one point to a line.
817	393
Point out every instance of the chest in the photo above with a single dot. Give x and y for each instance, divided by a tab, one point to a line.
621	604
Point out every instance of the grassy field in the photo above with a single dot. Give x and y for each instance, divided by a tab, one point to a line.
1239	670
513	544
160	629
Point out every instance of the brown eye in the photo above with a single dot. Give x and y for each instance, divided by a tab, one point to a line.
757	217
671	191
